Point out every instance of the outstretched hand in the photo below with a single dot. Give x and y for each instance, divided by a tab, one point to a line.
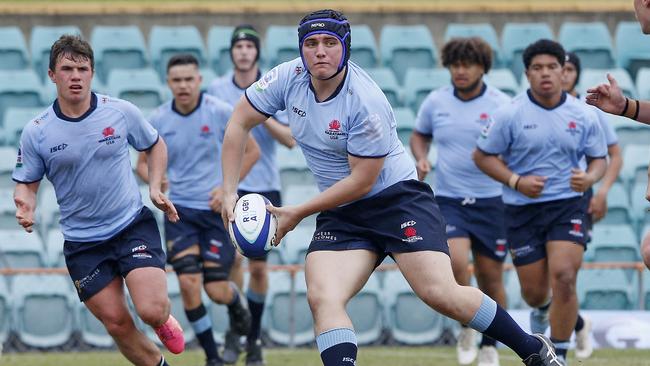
164	204
288	217
607	97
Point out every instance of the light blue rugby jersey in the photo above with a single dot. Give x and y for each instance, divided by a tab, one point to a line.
265	175
608	129
87	161
194	149
534	140
357	120
455	125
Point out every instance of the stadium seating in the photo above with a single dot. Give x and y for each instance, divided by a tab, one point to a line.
365	310
32	294
19	88
635	167
164	42
606	289
54	248
590	41
591	78
5	311
639	206
293	167
364	46
208	76
504	80
281	318
407	46
405	119
294	246
14	121
387	82
420	82
613	243
13	50
281	44
515	37
632	50
118	47
20	249
618	206
646	290
141	87
482	30
47	209
219	48
643	83
7	164
433	159
91	330
41	41
7	208
411	321
629	132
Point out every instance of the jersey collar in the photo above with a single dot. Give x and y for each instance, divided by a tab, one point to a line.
60	115
259	76
532	99
198	105
336	92
483	89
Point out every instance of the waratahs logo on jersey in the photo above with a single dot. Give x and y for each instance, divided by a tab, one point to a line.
267	80
109	136
572	128
334	129
205	131
483	119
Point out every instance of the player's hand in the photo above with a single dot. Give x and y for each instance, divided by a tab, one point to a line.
216	199
531	185
598	206
24	214
228	208
580	180
607	97
164	204
288	217
423	167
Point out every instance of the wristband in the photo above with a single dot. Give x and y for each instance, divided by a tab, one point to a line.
627	104
636	114
513	180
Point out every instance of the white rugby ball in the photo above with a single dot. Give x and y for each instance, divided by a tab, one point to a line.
254	227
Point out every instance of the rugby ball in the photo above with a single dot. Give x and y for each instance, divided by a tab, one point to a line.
254	227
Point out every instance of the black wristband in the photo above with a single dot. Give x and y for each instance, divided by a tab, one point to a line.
636	114
627	104
517	184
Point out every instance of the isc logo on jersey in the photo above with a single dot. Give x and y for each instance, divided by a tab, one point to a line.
254	227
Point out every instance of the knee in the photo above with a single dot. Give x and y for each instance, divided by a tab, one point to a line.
258	273
564	283
534	295
219	291
190	285
118	325
155	312
441	297
321	300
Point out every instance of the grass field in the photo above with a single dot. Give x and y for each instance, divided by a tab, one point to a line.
375	356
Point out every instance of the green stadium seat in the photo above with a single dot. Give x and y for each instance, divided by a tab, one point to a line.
164	42
590	78
515	37
281	44
364	46
293	167
14	121
613	243
32	294
643	82
607	289
41	41
481	30
504	80
279	315
219	48
365	311
141	87
47	209
118	47
618	206
590	41
387	82
208	76
294	246
407	46
5	311
92	332
54	248
21	249
19	88
632	50
405	119
13	49
635	168
629	132
420	82
410	320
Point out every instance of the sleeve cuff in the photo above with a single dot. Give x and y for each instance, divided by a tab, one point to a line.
595	157
487	152
26	182
368	156
427	135
254	107
150	146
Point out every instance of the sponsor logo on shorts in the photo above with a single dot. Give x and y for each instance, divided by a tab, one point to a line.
109	136
410	233
139	252
334	129
468	201
576	230
82	283
324	236
501	248
350	360
521	252
450	228
215	249
139	248
141	256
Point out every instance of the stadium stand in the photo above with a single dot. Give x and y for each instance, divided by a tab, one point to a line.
141	87
164	42
606	289
288	322
405	119
643	83
219	48
613	243
13	50
7	164
504	80
20	88
118	47
293	167
515	37
281	44
618	206
635	167
91	330
482	30
590	41
54	248
365	310
41	41
20	249
407	46
14	121
632	49
629	132
387	82
5	310
591	77
364	47
295	245
418	83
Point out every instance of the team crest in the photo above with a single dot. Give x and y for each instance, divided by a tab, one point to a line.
572	128
334	129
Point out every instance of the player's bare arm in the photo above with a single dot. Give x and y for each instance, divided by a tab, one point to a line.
581	180
157	165
420	148
25	200
493	166
281	133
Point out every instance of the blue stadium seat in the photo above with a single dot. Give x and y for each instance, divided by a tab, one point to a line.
387	82
590	78
296	194
411	321
420	82
613	243
293	167
219	48
91	330
607	289
635	168
118	47
141	87
405	119
590	41
5	311
164	42
294	246
629	132
19	88
31	295
643	82
281	44
433	159
515	37
482	30
54	248
504	80
640	206
47	209
365	311
41	41
618	206
21	249
280	317
632	50
13	50
14	121
7	165
208	76
407	46
364	46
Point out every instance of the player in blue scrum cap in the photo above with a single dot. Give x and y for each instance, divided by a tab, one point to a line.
371	203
